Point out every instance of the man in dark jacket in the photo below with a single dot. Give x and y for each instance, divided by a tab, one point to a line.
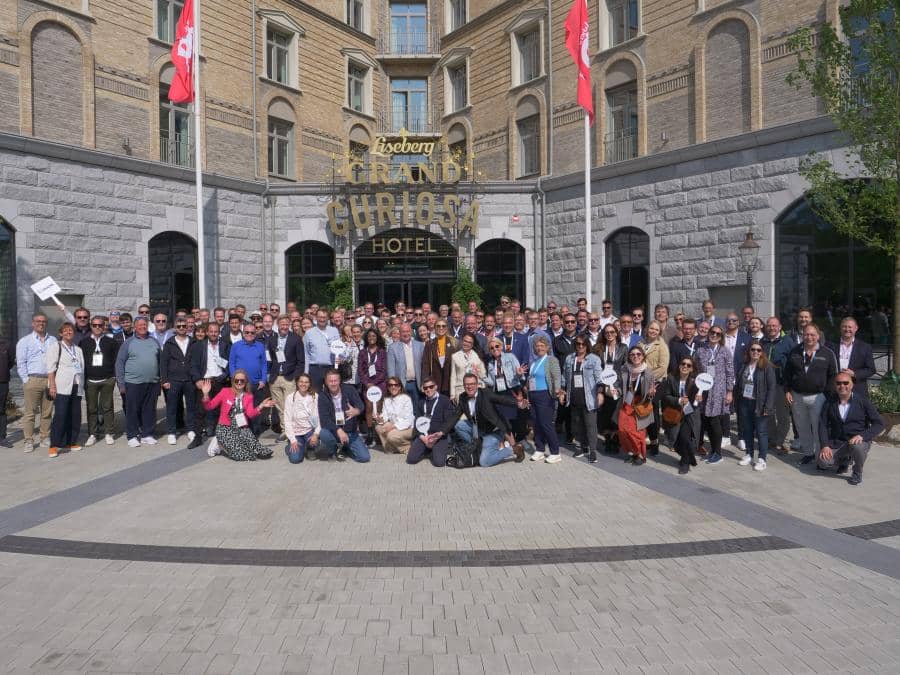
100	351
485	423
848	425
439	410
777	347
175	378
339	409
855	356
209	361
287	359
7	361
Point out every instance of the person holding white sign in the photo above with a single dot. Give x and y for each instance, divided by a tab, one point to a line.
236	409
65	376
371	367
680	400
395	423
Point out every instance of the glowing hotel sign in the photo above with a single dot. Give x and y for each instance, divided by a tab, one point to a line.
406	208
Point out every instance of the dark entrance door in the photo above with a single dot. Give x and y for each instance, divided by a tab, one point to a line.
7	282
172	264
628	269
405	264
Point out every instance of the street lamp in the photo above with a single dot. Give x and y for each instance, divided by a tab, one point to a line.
749	252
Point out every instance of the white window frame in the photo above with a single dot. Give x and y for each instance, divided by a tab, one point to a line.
448	16
274	141
172	17
523	24
456	57
365	27
521	169
282	23
360	59
604	32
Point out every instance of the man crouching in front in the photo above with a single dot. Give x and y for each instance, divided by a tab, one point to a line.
339	410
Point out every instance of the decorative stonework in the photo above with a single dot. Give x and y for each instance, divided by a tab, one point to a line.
119	87
316	138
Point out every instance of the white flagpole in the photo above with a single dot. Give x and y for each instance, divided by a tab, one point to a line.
587	211
198	168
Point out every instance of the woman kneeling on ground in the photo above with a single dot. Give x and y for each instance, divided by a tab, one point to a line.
235	405
301	420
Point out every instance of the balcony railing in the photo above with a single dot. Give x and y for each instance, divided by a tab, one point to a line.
414	121
408	43
620	145
177	149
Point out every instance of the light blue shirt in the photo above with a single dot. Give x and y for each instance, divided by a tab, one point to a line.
30	351
162	338
317	344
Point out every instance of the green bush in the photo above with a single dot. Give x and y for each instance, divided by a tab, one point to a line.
342	289
465	289
886	394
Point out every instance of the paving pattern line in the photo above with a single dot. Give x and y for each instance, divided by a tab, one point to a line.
50	507
837	543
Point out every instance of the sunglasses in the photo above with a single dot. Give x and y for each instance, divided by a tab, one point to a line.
842	383
159	321
569	321
392	385
594	318
731	320
686	365
83	317
249	332
715	333
96	325
239	381
180	325
429	387
756	350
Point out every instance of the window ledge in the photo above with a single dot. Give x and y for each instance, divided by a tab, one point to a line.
152	39
527	176
525	85
87	16
280	85
622	46
284	178
358	113
467	110
706	11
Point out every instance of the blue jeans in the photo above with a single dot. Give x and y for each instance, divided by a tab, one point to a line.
753	425
412	388
492	452
328	446
297	456
140	415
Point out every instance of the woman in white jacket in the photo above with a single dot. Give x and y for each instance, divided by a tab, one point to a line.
65	374
301	419
395	423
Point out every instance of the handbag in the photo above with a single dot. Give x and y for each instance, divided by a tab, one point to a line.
672	416
465	455
47	388
643	409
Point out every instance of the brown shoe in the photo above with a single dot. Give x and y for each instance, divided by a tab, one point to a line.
520	452
54	452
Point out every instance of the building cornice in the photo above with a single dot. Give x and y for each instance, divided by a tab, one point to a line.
327	18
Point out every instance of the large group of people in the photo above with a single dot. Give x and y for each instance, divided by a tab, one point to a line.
457	385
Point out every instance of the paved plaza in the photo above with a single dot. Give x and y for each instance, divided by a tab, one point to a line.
163	560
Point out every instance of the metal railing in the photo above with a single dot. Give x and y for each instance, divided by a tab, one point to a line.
177	149
620	145
401	117
407	43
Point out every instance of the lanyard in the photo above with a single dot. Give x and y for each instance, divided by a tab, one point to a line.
69	350
681	386
637	383
371	357
712	356
578	365
539	363
434	405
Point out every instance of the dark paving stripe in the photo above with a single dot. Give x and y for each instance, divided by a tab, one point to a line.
299	558
44	509
847	546
886	528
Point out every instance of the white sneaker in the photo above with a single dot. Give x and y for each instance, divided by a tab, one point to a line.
742	446
538	456
45	443
191	436
213	449
553	459
148	440
109	439
760	465
28	445
171	439
745	460
90	441
134	442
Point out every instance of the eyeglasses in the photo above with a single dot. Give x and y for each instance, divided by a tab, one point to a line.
239	380
609	332
96	325
715	333
392	385
569	321
686	365
159	321
594	318
180	325
732	320
429	387
83	317
631	356
843	383
249	332
755	350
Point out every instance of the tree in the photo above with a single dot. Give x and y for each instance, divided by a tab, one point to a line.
854	71
341	289
465	290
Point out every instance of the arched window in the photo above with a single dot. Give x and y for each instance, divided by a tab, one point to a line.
620	142
628	268
281	140
310	266
360	142
56	84
172	260
528	128
176	144
818	267
728	80
7	281
500	270
458	148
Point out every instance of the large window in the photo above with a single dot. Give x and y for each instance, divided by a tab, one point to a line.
357	76
409	104
7	282
528	130
310	266
456	14
458	86
281	148
278	45
623	17
176	144
628	268
500	269
621	141
356	14
409	28
818	267
529	45
167	14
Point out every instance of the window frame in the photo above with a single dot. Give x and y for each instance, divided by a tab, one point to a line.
629	88
451	104
365	85
524	24
363	12
524	167
281	23
451	12
275	142
606	24
171	18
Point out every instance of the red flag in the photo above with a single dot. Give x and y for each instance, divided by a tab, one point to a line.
182	88
577	43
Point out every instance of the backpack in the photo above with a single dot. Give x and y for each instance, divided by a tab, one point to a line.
465	455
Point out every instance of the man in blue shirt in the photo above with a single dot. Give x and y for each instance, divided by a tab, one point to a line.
250	355
32	369
317	345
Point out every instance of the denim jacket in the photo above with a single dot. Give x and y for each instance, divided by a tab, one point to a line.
590	372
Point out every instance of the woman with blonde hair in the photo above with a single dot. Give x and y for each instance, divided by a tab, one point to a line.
235	406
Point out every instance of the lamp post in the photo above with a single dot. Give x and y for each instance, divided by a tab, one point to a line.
749	252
